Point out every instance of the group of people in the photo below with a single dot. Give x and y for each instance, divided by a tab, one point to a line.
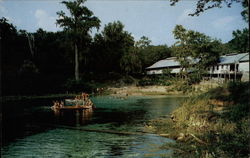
80	100
85	98
57	104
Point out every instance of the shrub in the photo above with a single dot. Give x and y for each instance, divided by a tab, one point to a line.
128	79
194	78
79	86
145	82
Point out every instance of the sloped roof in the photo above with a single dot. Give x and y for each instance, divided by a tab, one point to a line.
232	58
225	59
245	58
169	62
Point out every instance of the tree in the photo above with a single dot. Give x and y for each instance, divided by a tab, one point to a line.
131	62
203	5
78	25
143	43
195	51
150	54
240	41
110	46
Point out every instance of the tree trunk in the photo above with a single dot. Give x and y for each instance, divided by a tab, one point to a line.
76	64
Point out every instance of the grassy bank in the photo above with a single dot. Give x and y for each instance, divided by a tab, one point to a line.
212	124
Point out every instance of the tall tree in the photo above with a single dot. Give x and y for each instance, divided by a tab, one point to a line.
77	24
110	45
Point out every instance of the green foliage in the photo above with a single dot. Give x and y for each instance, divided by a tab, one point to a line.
240	41
79	86
145	82
127	80
110	46
155	80
78	25
130	61
219	132
195	51
184	88
194	78
245	12
151	54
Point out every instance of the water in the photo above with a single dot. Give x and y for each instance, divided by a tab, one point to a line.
32	129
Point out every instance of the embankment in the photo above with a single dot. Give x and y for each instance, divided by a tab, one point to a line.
173	89
212	124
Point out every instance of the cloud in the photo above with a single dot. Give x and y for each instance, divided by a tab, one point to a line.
45	21
223	22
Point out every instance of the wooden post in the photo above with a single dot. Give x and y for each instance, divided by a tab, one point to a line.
234	70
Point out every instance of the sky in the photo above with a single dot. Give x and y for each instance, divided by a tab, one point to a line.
154	19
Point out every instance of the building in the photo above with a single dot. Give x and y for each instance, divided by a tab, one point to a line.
244	68
230	66
169	63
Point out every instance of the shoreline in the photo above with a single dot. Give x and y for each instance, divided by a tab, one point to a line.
215	118
123	91
110	91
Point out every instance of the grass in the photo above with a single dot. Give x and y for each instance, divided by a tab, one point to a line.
212	124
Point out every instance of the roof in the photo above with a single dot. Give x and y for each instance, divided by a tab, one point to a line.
232	58
169	62
225	59
245	58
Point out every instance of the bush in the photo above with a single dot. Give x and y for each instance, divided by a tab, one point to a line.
128	79
239	91
184	87
145	82
79	86
194	78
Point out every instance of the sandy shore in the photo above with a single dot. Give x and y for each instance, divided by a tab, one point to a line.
156	90
140	91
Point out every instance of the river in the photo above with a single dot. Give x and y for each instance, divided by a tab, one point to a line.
114	129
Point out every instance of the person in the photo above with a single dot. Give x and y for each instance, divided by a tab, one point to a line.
85	96
56	105
89	103
62	104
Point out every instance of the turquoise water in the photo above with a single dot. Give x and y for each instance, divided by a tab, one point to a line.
38	132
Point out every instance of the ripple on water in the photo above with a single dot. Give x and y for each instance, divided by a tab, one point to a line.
112	114
73	143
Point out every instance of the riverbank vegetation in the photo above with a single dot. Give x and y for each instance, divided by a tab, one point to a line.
212	124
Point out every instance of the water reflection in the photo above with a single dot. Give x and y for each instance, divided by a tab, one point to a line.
74	117
86	115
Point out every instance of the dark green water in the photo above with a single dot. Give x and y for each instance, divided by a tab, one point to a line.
32	129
